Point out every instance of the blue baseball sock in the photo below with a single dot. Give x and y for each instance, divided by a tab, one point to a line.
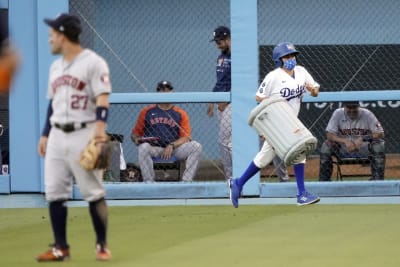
299	173
248	173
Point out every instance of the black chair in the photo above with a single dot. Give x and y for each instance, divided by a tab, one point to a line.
349	160
168	164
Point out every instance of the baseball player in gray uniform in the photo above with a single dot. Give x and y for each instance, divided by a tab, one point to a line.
78	89
356	132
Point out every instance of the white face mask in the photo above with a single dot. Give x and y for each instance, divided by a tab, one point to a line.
290	64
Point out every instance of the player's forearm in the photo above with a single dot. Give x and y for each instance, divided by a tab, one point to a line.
378	135
102	105
181	141
334	138
259	99
47	125
134	138
100	128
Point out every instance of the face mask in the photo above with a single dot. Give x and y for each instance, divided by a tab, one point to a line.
290	64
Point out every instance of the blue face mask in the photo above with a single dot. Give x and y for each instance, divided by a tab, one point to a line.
290	64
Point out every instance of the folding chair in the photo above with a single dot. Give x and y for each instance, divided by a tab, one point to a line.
349	160
168	164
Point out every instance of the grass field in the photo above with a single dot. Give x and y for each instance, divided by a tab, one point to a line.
207	236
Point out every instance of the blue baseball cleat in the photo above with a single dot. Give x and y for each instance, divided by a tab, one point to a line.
306	198
234	192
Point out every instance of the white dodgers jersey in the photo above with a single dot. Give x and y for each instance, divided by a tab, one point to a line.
279	82
74	86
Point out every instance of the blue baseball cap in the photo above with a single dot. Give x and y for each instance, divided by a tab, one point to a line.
67	24
221	33
164	85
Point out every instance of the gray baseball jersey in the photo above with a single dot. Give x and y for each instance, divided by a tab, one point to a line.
74	86
341	125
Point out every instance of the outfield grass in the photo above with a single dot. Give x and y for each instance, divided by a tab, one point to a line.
207	236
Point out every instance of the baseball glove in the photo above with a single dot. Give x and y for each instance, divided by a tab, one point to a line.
93	157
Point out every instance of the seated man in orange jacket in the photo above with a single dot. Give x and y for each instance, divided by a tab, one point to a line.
163	130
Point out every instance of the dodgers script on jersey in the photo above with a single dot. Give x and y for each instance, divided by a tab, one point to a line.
278	82
366	124
73	87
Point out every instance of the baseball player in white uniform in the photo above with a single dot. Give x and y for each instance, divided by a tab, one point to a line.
78	90
289	81
353	132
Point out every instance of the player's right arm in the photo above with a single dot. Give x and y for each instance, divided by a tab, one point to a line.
264	90
45	132
138	130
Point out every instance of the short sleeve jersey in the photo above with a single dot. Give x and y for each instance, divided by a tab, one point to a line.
278	82
74	86
341	125
169	125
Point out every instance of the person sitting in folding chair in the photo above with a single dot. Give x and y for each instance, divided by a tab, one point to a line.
163	130
355	132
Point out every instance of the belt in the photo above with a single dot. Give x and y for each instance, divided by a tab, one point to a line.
70	127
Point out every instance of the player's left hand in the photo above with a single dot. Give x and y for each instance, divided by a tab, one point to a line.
167	153
358	142
314	90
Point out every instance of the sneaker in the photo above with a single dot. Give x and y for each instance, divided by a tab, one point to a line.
102	253
284	179
54	254
234	192
306	199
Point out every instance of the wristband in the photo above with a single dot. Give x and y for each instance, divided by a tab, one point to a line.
172	144
101	113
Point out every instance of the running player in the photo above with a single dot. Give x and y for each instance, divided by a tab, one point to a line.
289	81
78	89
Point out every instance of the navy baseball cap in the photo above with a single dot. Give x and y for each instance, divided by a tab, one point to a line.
164	85
221	33
67	24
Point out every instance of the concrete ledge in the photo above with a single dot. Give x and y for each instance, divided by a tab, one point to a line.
334	189
162	190
199	190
